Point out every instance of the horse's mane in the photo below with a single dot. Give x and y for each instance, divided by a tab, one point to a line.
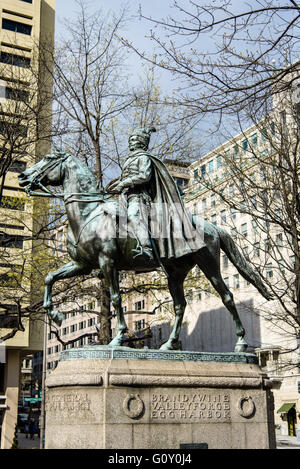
88	178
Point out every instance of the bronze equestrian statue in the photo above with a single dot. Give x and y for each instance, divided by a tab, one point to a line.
145	229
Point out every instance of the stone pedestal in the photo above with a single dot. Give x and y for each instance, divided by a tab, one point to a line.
99	397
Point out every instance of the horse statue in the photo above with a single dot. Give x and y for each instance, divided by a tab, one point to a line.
91	245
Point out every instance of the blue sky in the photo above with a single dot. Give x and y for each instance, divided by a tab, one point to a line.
136	31
157	8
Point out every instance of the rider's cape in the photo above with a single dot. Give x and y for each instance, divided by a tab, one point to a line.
171	226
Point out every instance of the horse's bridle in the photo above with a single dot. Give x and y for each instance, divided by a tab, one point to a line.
54	161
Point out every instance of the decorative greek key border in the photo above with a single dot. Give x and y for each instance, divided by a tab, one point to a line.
103	352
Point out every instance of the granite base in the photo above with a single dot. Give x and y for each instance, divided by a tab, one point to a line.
154	400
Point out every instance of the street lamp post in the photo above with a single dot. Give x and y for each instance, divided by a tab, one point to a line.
43	407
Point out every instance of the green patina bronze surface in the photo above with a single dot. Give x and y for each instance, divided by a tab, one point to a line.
97	238
126	353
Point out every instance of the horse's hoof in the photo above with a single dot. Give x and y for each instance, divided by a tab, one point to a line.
56	316
116	342
171	345
165	346
241	345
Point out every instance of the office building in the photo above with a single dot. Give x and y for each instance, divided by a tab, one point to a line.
24	82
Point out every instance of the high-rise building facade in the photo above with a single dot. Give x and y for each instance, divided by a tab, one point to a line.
25	135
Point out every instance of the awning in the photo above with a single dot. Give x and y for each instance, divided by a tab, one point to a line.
285	408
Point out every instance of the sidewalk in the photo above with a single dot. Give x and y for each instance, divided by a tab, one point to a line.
282	442
27	443
285	441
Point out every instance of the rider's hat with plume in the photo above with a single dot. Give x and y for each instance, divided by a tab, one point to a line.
144	134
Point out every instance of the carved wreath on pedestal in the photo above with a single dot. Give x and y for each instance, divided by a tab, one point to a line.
133	406
246	407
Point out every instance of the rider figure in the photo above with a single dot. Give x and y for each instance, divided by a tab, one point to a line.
148	183
135	181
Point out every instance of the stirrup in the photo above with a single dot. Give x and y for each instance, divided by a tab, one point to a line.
143	251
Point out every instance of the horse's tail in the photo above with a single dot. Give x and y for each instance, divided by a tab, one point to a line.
243	267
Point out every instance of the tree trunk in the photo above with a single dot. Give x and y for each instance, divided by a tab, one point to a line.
104	336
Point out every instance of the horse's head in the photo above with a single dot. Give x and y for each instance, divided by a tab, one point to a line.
48	171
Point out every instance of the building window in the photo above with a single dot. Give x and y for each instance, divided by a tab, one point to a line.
254	226
279	240
253	202
223	216
203	170
254	140
256	250
244	229
189	296
263	135
267	221
225	261
233	233
269	271
245	251
11	93
139	325
8	128
293	262
196	175
82	325
236	281
204	204
267	245
16	27
235	151
27	1
139	305
11	241
272	126
219	162
17	167
213	200
281	265
243	206
15	60
283	118
9	280
211	166
231	190
214	219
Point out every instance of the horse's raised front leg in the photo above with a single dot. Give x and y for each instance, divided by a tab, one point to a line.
72	269
177	292
111	276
